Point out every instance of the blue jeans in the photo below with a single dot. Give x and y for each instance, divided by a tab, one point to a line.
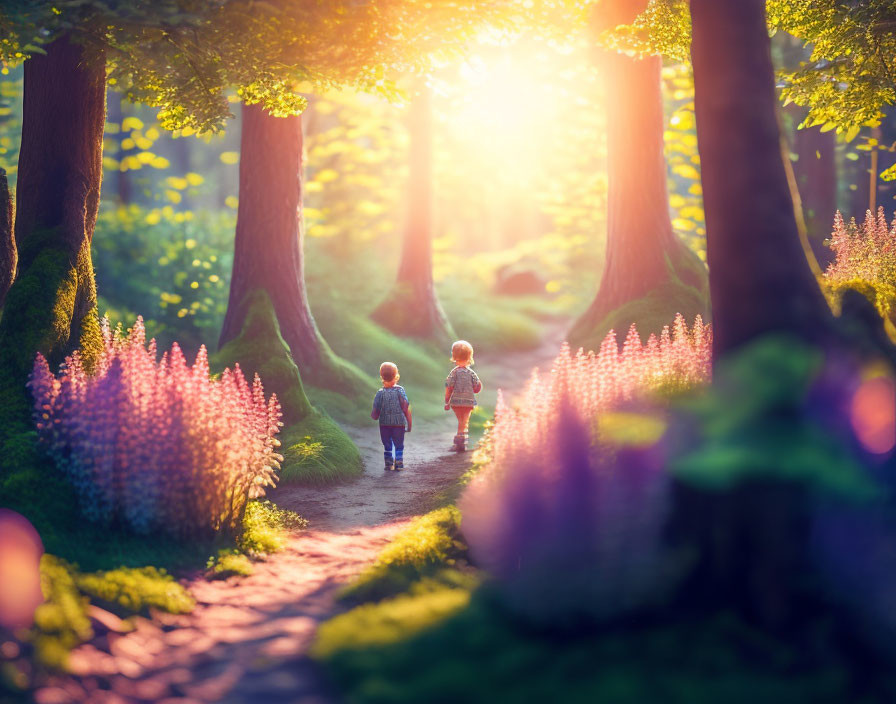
392	435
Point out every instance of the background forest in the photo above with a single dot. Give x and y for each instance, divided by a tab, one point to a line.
303	195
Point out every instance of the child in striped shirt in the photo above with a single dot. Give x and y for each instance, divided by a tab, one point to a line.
461	388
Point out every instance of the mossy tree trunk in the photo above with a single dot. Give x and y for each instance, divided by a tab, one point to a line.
8	253
268	250
51	306
749	541
643	252
412	307
759	277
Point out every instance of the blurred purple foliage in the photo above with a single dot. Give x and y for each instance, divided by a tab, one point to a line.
572	531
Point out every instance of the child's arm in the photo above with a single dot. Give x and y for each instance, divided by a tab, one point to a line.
406	408
477	385
449	389
377	404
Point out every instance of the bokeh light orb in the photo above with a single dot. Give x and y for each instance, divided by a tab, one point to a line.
20	552
873	414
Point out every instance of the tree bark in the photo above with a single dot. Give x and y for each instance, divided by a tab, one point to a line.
8	254
642	250
412	307
759	278
51	307
816	176
268	253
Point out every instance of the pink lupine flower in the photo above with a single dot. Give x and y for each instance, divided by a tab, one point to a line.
567	526
679	359
157	445
866	253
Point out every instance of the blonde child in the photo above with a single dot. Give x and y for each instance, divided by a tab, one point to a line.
461	388
391	408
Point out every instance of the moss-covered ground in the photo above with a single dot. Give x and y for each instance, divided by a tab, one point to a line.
685	290
450	643
429	548
427	628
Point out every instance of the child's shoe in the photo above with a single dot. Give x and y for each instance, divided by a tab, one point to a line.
460	443
388	465
399	464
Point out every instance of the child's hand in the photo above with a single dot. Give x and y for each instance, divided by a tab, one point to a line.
447	407
408	429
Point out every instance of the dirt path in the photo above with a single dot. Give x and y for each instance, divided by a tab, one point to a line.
247	637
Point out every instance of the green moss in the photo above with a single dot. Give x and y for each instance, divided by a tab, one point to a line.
317	451
61	622
37	317
136	590
265	527
375	625
491	323
751	425
261	349
423	549
685	290
229	563
448	646
650	313
407	313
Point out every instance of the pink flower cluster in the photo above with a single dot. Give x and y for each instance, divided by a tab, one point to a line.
679	359
157	445
866	253
571	527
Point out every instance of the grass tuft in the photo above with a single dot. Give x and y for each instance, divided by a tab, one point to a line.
423	549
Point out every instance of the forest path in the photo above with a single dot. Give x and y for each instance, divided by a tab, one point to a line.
248	637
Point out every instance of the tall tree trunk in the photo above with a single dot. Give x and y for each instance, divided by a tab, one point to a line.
643	252
118	111
412	307
51	307
183	162
758	274
749	540
816	176
268	251
8	253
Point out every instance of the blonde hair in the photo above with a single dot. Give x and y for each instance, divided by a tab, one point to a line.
462	351
389	372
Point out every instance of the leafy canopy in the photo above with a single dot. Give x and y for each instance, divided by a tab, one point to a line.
183	56
849	76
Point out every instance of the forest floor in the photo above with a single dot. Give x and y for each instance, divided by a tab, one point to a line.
248	636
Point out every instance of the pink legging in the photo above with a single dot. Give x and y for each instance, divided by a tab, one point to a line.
463	418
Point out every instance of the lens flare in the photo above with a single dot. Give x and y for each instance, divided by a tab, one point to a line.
20	552
873	414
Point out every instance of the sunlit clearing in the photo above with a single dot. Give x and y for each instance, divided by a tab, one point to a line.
506	105
20	551
518	141
874	414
